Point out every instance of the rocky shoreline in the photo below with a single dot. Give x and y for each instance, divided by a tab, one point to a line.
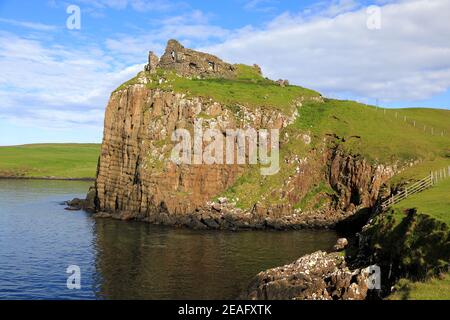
233	222
416	248
317	276
222	215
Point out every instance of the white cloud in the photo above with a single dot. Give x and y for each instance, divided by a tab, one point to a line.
192	28
334	52
30	25
55	86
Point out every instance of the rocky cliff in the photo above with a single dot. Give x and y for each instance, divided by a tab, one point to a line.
317	276
136	176
137	180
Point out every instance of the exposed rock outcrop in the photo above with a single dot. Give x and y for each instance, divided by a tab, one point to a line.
87	204
341	244
136	176
137	180
318	276
153	61
187	62
356	181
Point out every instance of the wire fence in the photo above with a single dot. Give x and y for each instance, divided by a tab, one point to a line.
395	114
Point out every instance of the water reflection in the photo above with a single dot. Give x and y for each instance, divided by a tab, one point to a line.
142	261
126	260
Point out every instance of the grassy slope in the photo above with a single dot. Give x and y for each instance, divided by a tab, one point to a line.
50	160
434	201
374	133
247	93
433	289
249	89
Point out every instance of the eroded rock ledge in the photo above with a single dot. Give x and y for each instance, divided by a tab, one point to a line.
225	216
317	276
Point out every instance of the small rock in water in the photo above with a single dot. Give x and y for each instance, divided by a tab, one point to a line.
340	245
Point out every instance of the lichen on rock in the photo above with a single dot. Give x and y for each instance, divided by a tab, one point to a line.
317	276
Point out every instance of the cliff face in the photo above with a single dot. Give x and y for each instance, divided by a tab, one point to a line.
136	177
356	182
137	180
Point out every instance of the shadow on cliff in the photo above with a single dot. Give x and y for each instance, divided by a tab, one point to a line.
354	223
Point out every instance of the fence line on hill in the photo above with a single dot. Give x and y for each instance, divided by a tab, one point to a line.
419	186
417	124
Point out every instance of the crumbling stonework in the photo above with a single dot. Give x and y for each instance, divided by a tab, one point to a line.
282	83
153	61
187	62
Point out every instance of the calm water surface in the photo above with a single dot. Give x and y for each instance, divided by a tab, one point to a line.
126	260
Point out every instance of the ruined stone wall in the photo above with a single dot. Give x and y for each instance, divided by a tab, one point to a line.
187	62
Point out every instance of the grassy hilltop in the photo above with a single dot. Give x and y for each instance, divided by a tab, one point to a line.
49	161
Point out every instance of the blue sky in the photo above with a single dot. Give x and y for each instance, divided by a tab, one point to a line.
55	82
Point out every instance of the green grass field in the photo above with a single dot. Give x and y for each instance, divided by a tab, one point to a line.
50	160
378	134
249	89
433	289
375	134
434	201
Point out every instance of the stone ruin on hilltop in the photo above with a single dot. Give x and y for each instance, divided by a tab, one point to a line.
190	63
